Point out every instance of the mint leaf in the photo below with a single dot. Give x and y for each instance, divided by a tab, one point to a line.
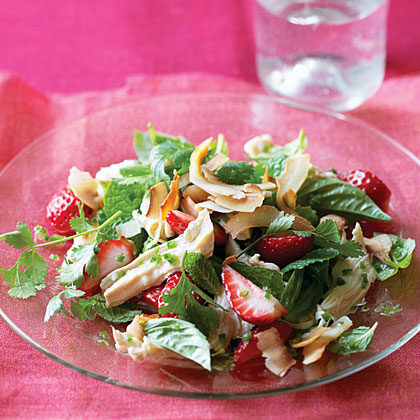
202	272
180	300
399	257
353	341
312	257
85	260
269	280
330	195
19	239
279	225
235	173
180	336
137	170
326	235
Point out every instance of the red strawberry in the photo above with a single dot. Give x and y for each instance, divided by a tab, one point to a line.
248	350
154	294
113	254
250	302
179	221
283	250
220	236
370	184
62	207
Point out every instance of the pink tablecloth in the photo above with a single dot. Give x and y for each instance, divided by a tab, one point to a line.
61	46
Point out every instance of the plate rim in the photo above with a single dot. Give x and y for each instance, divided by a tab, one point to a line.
223	395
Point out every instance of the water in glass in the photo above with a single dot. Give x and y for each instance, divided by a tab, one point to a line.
329	52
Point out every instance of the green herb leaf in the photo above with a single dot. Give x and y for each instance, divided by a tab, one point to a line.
117	314
54	306
19	239
180	300
399	257
81	224
279	225
143	144
330	195
312	257
308	213
202	272
72	274
235	173
37	269
354	341
327	236
269	280
180	336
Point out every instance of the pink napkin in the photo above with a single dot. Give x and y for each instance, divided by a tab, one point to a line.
33	386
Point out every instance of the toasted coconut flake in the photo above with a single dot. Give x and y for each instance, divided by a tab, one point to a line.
293	176
314	351
247	204
229	260
266	177
244	235
211	205
261	217
188	206
290	199
379	246
257	145
216	162
195	193
85	188
184	180
277	358
197	178
311	337
158	194
172	199
340	221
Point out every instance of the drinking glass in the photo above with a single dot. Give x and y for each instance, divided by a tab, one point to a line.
327	52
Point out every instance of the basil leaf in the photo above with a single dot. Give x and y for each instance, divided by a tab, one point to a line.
353	341
330	195
180	336
269	280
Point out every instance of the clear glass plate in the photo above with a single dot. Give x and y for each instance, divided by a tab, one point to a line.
29	181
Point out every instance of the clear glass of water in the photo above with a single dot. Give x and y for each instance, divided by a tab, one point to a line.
327	52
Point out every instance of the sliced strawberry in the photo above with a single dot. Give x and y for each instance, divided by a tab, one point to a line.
250	302
179	221
62	207
248	350
220	236
152	295
370	184
113	254
283	250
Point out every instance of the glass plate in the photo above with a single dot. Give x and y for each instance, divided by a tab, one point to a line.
29	181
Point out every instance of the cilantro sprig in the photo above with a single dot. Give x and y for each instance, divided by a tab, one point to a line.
27	276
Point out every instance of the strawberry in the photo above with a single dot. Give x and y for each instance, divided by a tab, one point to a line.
179	221
371	185
250	302
153	296
283	250
248	350
62	207
113	254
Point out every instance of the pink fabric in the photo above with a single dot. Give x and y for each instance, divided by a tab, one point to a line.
76	46
34	386
68	46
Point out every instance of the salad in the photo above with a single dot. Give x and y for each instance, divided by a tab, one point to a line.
229	264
